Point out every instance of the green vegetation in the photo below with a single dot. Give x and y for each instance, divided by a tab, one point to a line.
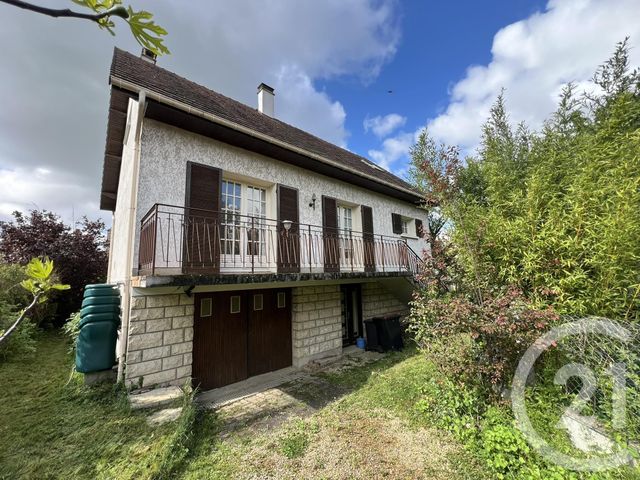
535	229
295	440
54	427
143	28
40	282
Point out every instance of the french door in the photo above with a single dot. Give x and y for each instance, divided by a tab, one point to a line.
243	230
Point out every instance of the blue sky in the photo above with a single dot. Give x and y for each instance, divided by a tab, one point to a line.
331	62
439	41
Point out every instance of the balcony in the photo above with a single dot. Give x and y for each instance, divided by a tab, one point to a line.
177	241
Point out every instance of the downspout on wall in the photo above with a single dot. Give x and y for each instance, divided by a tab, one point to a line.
126	286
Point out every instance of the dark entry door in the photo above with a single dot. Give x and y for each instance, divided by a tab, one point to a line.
240	334
220	340
351	308
269	331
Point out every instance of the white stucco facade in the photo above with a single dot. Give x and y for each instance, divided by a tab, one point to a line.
157	333
165	151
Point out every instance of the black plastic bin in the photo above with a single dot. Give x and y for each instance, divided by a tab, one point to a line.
384	333
389	332
371	330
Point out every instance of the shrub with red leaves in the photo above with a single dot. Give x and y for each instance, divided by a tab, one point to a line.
500	329
80	253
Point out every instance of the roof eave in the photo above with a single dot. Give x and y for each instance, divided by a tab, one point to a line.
124	84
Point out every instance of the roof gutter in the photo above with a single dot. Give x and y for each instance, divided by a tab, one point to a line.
118	82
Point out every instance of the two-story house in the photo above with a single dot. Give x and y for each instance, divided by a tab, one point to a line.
242	245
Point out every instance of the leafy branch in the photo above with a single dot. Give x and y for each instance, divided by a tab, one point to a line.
143	28
40	282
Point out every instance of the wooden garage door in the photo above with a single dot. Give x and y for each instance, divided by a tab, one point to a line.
269	331
240	334
220	340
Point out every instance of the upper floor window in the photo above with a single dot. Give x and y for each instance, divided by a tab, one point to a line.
345	218
345	225
244	210
405	226
231	209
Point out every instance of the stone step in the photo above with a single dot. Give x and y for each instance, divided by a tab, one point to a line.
164	416
155	398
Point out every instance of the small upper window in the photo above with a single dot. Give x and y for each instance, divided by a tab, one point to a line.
257	301
282	299
405	227
235	304
206	307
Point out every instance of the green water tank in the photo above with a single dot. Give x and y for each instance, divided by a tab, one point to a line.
101	291
99	323
104	308
96	349
100	301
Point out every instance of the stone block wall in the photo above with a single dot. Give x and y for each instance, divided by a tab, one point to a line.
378	301
316	323
160	346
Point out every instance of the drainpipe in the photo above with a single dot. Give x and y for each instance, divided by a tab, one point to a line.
126	296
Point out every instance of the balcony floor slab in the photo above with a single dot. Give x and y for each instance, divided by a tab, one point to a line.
151	281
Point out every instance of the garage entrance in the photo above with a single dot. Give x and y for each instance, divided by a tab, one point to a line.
240	334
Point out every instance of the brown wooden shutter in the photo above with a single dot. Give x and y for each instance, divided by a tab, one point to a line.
288	241
396	223
367	239
419	228
201	250
330	234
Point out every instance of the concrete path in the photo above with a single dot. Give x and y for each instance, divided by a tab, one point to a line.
252	386
268	400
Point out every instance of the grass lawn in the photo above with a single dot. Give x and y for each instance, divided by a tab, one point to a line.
54	427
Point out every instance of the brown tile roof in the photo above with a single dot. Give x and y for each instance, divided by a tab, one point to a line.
142	73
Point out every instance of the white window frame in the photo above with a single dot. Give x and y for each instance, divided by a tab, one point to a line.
408	227
241	246
345	232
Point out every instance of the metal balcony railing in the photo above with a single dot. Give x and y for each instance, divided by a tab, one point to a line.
181	240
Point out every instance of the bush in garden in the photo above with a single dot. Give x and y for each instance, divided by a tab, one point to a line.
72	329
14	298
537	226
24	338
79	252
16	328
502	445
553	213
486	339
452	407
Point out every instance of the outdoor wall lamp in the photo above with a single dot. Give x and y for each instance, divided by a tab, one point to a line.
287	225
313	201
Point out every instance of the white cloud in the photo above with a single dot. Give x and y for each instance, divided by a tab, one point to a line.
39	188
290	46
55	99
303	102
384	126
533	59
394	149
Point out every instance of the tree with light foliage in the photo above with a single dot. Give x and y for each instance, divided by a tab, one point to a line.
103	12
40	283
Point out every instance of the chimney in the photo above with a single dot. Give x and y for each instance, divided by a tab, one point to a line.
266	98
148	55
